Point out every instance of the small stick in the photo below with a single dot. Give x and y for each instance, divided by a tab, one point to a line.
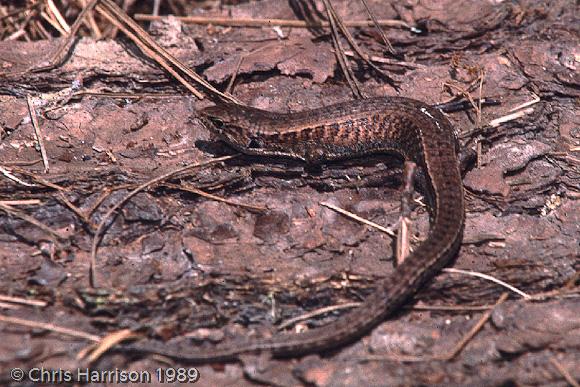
510	117
21	163
339	51
479	153
535	99
49	327
58	16
38	179
386	230
23	301
333	16
250	22
317	312
104	194
379	29
95	351
60	54
472	332
10	176
478	110
23	202
37	132
214	197
450	308
234	74
465	93
489	278
403	245
569	378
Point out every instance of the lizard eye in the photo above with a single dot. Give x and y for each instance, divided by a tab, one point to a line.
217	123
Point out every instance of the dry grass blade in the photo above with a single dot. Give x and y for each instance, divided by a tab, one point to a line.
358	218
142	38
23	202
37	132
569	378
147	50
38	179
403	237
8	174
230	85
353	43
535	99
23	301
95	351
317	312
206	195
59	56
380	59
253	22
54	23
489	278
49	327
340	56
378	28
51	7
510	117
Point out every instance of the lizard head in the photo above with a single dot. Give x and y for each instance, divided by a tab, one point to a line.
257	132
227	122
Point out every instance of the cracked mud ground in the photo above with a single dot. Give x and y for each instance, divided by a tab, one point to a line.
175	264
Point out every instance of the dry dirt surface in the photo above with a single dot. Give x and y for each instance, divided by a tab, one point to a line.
172	265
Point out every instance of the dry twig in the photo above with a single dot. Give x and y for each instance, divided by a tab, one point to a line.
37	132
49	327
252	22
386	230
